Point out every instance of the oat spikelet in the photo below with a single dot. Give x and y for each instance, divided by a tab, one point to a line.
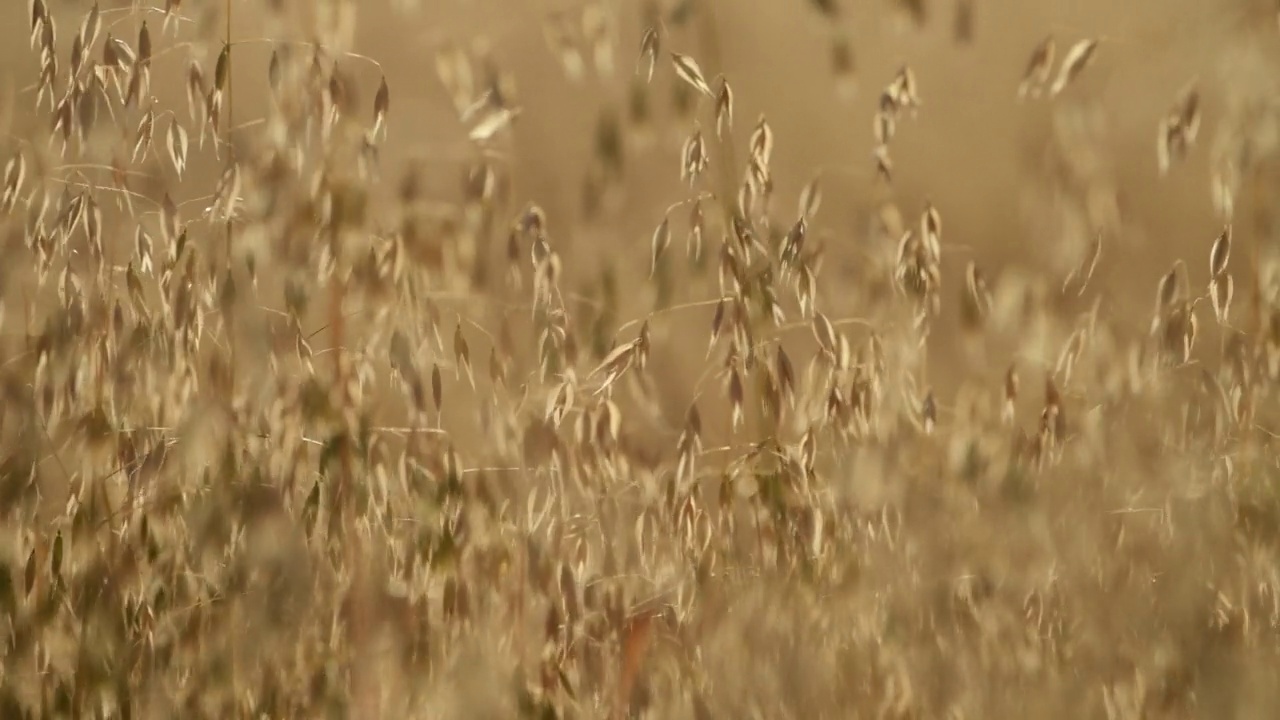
1073	63
736	397
811	198
650	46
929	412
724	108
688	70
1010	393
1038	68
1178	129
462	355
1078	279
177	144
717	324
381	105
825	333
694	158
15	173
658	245
1221	291
761	142
437	388
696	231
1220	253
90	27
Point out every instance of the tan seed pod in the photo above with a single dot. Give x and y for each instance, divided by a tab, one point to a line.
650	45
786	376
1010	391
717	325
401	355
492	120
1079	278
792	244
1167	291
275	75
811	198
1220	253
171	8
883	127
497	369
196	92
77	55
929	412
688	70
222	69
618	361
437	388
736	397
1221	291
903	89
825	334
462	355
884	164
1038	68
1187	110
90	26
696	231
15	173
381	105
761	142
1073	63
169	219
931	231
177	143
144	134
694	158
806	287
658	244
724	108
643	343
978	295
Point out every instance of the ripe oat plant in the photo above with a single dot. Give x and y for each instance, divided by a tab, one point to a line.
639	359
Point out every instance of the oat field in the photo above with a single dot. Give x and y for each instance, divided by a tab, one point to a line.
884	359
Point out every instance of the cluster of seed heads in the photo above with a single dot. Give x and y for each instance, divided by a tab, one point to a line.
292	427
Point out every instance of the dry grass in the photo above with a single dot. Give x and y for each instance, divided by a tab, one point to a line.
640	358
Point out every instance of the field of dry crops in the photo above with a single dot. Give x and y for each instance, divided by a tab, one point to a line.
640	359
